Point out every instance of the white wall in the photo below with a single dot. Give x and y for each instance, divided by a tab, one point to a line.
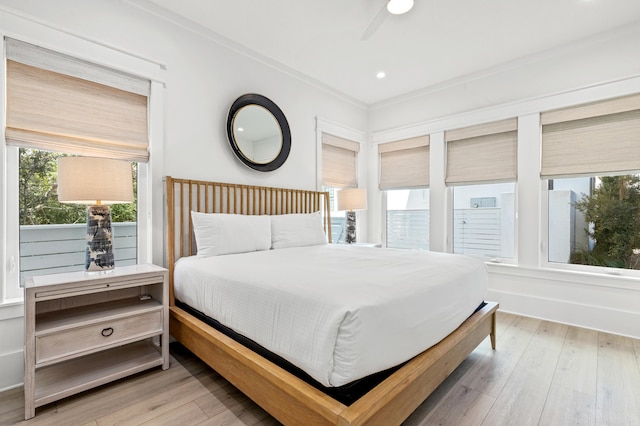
202	77
602	67
604	58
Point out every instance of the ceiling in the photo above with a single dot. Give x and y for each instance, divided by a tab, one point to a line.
437	41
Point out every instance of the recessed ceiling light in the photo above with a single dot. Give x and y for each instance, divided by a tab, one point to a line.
240	129
381	75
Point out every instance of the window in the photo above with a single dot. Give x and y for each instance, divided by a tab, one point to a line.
595	221
339	170
483	220
591	158
59	105
482	169
52	234
407	218
404	176
338	219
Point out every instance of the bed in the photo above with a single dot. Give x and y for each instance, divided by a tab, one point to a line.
288	397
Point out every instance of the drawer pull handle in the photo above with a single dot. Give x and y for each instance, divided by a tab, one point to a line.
107	332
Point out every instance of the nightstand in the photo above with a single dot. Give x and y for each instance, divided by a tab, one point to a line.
83	330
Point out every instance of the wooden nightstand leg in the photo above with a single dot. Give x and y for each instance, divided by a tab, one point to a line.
29	358
164	340
493	331
29	409
29	395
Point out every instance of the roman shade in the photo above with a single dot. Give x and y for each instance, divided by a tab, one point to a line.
482	153
339	162
592	139
404	163
59	103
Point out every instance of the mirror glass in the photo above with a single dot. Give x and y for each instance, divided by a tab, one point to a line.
258	132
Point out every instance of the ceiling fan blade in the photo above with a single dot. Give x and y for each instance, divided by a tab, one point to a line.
375	24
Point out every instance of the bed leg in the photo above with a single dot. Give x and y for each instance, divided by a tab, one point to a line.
492	335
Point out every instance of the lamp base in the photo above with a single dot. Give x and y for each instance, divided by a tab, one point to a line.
350	236
99	255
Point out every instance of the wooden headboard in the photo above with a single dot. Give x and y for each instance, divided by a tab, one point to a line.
185	195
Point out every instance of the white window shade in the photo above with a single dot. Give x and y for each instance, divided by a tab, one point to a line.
59	112
339	162
404	164
483	153
592	139
51	60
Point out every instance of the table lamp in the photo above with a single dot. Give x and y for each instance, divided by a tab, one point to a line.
96	182
352	199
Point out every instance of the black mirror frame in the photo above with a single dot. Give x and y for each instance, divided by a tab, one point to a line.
269	105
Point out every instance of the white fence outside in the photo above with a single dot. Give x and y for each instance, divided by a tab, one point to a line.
338	228
46	249
408	229
476	231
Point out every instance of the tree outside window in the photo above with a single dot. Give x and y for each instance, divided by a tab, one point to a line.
38	197
595	221
613	212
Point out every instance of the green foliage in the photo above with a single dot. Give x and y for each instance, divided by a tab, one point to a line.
38	196
127	212
614	212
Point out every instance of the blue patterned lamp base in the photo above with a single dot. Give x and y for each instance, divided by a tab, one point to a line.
350	236
99	254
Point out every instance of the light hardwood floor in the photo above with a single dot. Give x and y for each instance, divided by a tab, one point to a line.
542	373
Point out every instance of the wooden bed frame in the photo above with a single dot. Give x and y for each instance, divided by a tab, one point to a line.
286	397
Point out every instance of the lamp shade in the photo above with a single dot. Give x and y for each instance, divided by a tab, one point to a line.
352	199
92	180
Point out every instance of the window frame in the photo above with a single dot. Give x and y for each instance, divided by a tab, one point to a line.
481	134
324	126
384	218
451	230
12	288
150	181
600	107
570	267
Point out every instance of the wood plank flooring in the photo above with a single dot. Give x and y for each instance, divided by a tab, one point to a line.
542	373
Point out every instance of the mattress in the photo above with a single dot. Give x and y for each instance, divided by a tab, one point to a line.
339	313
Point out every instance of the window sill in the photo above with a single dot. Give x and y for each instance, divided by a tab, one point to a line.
597	279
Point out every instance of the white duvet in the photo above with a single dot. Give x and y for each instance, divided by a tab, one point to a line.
337	312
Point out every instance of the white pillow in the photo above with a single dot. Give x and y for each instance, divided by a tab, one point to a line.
297	230
220	233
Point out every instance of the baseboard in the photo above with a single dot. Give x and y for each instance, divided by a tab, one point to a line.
598	318
12	371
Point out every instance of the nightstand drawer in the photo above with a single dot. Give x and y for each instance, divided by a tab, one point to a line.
89	338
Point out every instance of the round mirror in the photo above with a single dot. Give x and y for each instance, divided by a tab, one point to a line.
258	132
